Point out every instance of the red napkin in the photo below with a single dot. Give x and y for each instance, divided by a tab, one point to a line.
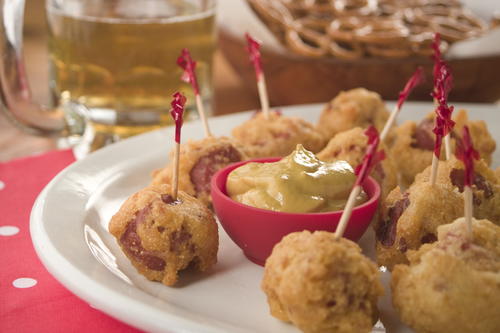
31	300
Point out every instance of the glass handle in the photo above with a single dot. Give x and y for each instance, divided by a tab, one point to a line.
15	91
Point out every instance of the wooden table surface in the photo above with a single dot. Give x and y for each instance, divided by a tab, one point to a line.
230	96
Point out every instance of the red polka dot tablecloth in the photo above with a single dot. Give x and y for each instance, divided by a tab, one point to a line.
31	300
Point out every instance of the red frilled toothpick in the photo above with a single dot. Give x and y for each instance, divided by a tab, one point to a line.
177	111
443	81
189	75
416	79
189	66
467	154
442	127
443	123
253	48
371	158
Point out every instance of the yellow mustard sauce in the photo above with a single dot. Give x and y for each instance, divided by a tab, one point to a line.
299	183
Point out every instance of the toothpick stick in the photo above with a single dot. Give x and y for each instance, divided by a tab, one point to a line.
415	80
253	48
468	208
434	168
264	100
346	214
467	154
189	75
175	177
201	112
389	123
371	158
178	102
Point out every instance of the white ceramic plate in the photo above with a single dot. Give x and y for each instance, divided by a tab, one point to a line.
69	230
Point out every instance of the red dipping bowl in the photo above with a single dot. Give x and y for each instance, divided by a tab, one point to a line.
257	230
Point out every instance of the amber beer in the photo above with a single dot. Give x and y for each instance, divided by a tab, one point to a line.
123	69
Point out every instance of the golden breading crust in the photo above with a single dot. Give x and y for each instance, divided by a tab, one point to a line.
486	187
322	284
355	107
277	136
411	219
481	138
198	162
410	159
452	285
351	146
413	144
162	237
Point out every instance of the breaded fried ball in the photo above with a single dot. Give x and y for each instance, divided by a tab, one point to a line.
352	108
452	285
162	236
198	162
276	136
410	219
481	137
412	149
413	144
322	284
485	187
351	146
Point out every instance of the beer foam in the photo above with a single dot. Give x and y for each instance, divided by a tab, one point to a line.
150	11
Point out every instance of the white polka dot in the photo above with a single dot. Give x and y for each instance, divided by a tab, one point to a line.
8	230
24	283
2	185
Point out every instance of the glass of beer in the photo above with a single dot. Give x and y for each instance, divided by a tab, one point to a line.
117	59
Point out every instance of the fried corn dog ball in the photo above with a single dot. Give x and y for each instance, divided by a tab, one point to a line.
485	187
322	284
351	146
352	108
162	236
410	219
452	285
412	148
198	162
413	145
481	137
276	136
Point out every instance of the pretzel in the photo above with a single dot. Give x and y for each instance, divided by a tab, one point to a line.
452	23
343	29
354	8
346	50
382	31
421	40
464	24
277	13
353	29
308	6
307	41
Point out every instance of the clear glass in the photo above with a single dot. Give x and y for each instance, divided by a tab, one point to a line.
118	59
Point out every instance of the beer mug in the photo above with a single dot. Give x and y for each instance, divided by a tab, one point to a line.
112	67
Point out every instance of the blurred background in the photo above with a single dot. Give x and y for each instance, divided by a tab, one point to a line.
292	78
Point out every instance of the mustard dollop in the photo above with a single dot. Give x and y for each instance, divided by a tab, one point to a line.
298	183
